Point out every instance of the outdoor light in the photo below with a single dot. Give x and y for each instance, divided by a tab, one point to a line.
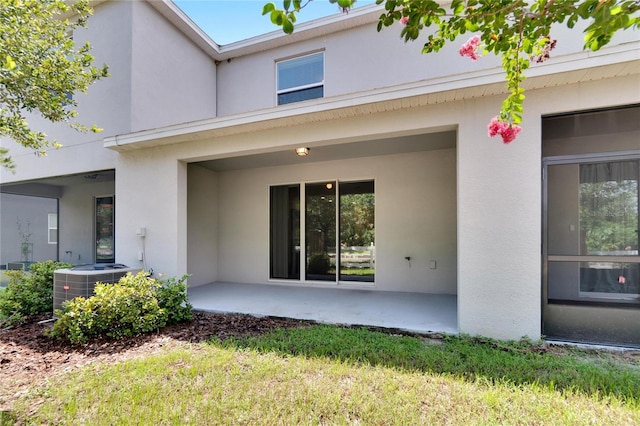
302	151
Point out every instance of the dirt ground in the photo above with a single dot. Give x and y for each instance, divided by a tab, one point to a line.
28	356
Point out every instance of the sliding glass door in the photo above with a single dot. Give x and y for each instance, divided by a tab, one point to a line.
338	230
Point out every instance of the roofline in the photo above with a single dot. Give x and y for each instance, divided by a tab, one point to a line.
360	16
365	15
180	20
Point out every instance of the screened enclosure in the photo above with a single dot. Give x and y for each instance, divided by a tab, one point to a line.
591	260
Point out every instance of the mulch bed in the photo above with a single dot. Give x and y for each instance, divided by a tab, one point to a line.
28	356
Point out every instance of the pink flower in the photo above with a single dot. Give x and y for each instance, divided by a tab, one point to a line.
404	20
507	131
470	47
622	279
495	126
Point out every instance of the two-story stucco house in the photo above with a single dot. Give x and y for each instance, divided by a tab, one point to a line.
339	157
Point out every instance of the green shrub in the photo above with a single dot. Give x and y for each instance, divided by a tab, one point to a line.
134	305
29	293
319	264
172	297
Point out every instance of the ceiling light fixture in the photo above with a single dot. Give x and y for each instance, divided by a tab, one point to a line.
302	151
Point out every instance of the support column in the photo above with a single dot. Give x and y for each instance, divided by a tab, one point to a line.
151	193
499	227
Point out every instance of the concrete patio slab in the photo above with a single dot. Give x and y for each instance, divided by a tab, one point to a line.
415	312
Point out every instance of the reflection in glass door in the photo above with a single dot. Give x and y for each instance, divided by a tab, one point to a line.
357	231
320	219
285	232
105	241
609	227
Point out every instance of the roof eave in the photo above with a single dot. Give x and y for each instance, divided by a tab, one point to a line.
364	15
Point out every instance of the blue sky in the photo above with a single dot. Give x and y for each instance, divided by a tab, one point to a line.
228	21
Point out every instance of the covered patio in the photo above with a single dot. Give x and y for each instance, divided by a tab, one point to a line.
414	312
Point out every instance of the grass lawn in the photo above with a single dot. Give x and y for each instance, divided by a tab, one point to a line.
334	375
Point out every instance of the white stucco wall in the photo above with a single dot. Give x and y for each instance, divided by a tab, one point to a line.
356	60
151	193
362	59
202	225
499	226
173	80
31	213
77	221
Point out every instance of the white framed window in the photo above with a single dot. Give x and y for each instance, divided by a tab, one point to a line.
300	79
52	225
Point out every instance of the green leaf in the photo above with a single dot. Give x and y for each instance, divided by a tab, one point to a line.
457	6
470	26
44	65
287	26
286	4
268	8
277	17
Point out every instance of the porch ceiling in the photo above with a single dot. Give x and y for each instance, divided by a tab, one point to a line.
52	186
397	145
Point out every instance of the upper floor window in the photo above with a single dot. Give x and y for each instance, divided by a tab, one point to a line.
301	78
